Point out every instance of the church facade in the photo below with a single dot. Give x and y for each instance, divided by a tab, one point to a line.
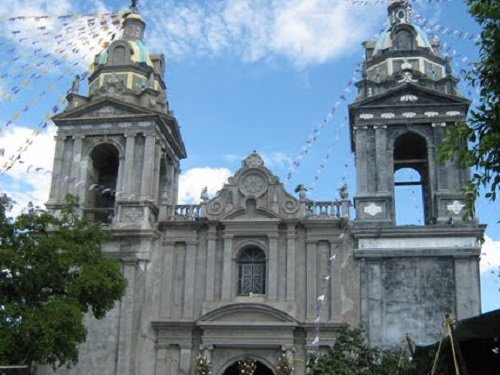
257	272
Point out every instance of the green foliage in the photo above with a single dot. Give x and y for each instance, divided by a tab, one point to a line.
52	272
350	355
482	131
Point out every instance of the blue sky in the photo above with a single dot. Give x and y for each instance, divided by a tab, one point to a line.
242	75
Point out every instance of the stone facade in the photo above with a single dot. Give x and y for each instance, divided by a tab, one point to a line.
256	271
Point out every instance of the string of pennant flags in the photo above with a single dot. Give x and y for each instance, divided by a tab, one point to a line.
314	135
14	90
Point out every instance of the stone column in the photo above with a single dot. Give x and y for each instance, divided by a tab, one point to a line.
126	325
361	159
167	280
128	166
57	177
311	286
185	359
467	293
212	242
148	167
176	184
381	157
190	278
273	266
290	263
335	280
227	279
161	361
77	173
156	179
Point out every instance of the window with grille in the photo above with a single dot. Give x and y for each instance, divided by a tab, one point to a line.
252	272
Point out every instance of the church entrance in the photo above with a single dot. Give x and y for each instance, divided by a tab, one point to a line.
259	369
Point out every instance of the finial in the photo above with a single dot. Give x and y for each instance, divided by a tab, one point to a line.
134	6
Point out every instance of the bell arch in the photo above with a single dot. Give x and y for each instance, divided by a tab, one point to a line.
102	182
411	171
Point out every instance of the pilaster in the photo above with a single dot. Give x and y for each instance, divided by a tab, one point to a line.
227	284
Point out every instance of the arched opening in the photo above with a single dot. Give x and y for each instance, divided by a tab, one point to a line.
411	180
102	182
260	369
252	271
409	197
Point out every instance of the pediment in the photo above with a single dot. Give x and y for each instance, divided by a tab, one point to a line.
245	314
102	108
410	95
253	193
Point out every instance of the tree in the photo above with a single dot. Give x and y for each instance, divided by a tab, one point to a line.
350	355
482	131
52	272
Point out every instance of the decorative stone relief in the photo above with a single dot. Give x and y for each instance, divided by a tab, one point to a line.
132	214
290	206
431	113
372	209
408	98
455	207
388	115
253	161
215	208
438	124
409	114
253	184
366	116
453	113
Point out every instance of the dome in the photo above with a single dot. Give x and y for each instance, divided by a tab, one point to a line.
140	53
386	40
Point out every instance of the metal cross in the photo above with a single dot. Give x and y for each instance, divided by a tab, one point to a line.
134	5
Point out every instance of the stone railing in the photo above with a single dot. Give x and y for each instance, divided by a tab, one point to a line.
100	215
327	209
187	212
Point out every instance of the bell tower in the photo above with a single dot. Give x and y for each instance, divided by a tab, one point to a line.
407	99
118	147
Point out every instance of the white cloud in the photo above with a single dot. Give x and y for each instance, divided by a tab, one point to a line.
490	255
25	182
302	31
192	182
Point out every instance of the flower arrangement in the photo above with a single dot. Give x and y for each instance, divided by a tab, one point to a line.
247	366
202	366
284	367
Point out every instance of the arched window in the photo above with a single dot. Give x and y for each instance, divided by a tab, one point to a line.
101	182
252	271
411	180
119	56
403	40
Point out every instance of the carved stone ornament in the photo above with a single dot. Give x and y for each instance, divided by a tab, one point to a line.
372	209
453	113
215	208
253	161
366	116
408	98
388	115
253	184
455	207
409	114
132	214
431	114
290	206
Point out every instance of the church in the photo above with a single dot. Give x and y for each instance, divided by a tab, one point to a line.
257	272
